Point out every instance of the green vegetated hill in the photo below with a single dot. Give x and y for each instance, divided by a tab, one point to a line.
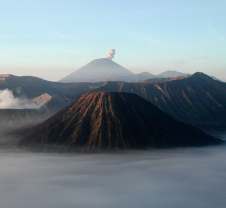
114	120
198	99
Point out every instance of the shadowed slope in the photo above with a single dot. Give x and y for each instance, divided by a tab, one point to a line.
163	80
32	87
11	119
52	103
198	100
114	120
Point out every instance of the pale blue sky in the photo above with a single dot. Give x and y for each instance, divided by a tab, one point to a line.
52	38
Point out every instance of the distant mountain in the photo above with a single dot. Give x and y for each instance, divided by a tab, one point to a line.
163	80
99	70
196	100
53	96
104	69
114	120
169	73
140	77
32	87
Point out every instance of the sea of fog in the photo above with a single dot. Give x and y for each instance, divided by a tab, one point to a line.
173	178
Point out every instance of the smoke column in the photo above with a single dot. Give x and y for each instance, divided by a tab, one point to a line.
8	101
110	54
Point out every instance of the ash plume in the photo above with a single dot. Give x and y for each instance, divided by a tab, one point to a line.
8	101
110	54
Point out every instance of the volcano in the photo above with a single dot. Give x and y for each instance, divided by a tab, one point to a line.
114	120
99	70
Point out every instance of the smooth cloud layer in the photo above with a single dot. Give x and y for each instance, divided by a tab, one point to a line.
8	101
157	178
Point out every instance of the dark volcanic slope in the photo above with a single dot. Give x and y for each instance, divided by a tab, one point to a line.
11	119
198	100
140	77
114	120
32	87
163	80
52	103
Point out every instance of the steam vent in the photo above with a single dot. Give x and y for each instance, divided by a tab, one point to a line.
114	120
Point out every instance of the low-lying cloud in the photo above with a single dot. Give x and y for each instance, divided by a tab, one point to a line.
157	178
8	101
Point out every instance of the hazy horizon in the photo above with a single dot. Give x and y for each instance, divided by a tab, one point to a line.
53	39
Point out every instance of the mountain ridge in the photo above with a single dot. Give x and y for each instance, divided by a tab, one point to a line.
196	100
104	69
171	73
114	120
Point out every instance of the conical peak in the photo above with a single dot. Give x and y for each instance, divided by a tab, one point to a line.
105	62
114	120
101	60
103	69
199	76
